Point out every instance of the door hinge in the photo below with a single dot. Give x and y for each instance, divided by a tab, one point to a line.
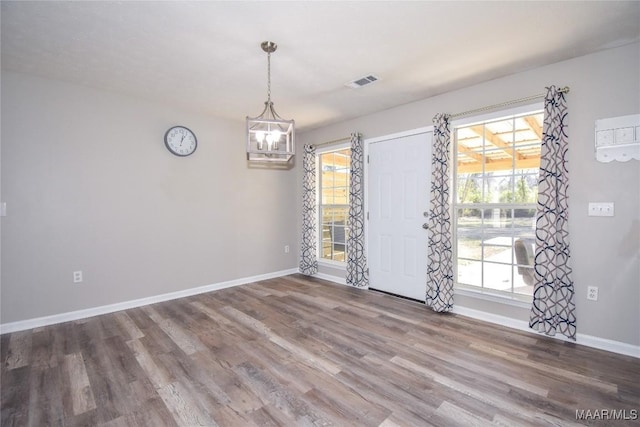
367	158
367	215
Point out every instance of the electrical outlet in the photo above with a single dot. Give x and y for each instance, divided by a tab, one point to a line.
77	277
592	293
286	249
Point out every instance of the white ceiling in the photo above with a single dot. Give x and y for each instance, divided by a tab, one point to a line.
206	56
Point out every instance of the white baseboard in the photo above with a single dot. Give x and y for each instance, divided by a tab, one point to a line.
582	339
104	309
330	278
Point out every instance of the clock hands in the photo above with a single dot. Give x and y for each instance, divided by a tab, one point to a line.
180	148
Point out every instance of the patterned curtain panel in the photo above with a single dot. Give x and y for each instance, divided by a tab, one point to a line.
357	269
553	307
308	247
440	255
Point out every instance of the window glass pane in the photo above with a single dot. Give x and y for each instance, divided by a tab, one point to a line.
528	160
525	188
469	188
334	203
341	178
470	272
470	148
338	234
326	251
523	280
495	202
499	133
524	252
341	196
497	227
524	223
343	157
497	250
497	276
326	215
469	233
327	197
498	188
327	161
340	215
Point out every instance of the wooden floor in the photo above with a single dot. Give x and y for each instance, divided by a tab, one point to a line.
300	351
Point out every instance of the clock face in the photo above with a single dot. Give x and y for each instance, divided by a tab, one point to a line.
180	141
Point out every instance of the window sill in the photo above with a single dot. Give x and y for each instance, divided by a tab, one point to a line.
515	301
338	265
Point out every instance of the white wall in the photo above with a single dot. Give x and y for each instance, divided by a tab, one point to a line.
90	186
605	251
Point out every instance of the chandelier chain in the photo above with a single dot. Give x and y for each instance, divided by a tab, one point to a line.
269	77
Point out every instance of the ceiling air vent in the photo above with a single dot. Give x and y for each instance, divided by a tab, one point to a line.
362	81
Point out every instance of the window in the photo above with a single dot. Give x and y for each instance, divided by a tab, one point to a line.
334	203
496	187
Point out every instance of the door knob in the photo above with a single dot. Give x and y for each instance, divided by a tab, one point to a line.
425	226
425	214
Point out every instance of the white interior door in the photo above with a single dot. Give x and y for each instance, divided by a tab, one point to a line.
399	172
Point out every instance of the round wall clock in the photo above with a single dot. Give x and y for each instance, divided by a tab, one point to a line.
180	141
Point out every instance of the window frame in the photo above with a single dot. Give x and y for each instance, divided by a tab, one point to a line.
482	292
319	151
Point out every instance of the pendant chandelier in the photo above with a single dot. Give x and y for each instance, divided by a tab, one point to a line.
270	138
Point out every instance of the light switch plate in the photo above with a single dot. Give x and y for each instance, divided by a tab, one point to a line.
601	209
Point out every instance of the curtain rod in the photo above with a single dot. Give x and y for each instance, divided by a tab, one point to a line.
506	104
346	138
